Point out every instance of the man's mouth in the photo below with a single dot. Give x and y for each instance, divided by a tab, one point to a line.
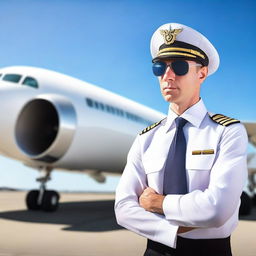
167	86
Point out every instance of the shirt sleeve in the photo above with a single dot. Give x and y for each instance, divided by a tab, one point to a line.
214	206
130	214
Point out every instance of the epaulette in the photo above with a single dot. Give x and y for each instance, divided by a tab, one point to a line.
151	127
224	120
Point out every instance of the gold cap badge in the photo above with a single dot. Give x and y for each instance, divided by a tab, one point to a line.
170	35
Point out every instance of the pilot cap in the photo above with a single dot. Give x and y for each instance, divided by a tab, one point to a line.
177	41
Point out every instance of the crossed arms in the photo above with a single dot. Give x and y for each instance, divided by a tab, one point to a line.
160	218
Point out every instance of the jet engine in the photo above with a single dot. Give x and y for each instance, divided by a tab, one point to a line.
45	127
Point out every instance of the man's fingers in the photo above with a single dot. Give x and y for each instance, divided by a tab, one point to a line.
149	190
184	229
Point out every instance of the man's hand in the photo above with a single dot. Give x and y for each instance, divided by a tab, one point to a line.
184	229
151	201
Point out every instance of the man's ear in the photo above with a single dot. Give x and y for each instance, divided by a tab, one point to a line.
202	73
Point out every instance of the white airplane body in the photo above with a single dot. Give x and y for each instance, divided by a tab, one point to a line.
88	127
53	121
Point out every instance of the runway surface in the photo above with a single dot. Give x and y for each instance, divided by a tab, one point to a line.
84	225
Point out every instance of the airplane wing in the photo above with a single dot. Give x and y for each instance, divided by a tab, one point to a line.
251	131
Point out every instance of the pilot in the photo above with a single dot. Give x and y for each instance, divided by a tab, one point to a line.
184	175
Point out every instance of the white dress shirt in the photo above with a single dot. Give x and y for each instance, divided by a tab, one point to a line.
215	179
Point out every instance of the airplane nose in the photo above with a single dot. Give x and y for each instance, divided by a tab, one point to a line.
12	99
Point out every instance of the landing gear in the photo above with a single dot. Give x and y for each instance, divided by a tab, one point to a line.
246	204
42	199
252	184
50	201
32	200
254	200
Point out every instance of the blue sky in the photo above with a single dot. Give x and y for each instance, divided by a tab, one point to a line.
107	43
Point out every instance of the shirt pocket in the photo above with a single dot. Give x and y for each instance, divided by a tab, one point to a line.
153	167
153	162
200	162
198	171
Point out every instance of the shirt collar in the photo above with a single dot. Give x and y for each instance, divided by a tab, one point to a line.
194	115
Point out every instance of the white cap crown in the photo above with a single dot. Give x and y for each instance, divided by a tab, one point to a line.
173	40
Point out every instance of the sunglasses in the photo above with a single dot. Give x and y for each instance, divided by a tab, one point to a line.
179	67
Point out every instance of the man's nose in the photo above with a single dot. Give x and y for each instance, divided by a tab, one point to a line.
169	74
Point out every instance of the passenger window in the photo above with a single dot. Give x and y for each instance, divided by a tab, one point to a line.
96	104
30	81
101	106
89	102
12	78
108	108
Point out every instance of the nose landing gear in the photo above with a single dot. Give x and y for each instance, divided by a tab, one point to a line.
42	199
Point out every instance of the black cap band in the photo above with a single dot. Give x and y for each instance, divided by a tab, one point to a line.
182	50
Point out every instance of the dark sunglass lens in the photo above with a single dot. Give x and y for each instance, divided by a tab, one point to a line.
180	67
159	68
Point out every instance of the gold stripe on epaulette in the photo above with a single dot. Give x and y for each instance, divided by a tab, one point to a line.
151	127
220	119
216	116
234	121
224	120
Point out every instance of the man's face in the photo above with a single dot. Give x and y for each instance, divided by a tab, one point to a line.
180	89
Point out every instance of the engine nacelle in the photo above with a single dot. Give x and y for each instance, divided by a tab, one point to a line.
45	127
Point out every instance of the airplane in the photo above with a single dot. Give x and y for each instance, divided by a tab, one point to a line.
51	121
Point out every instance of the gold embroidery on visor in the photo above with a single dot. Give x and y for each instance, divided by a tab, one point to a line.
182	49
176	53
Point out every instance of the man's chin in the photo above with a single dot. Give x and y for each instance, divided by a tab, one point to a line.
169	98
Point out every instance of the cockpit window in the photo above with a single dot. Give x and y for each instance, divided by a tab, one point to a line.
12	78
30	81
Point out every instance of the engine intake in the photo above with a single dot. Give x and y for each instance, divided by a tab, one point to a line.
45	128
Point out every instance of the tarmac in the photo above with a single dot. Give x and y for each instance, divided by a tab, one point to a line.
84	225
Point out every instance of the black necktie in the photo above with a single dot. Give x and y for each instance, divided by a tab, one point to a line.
175	180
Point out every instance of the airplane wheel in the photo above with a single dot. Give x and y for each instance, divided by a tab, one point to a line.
50	201
254	199
246	204
31	200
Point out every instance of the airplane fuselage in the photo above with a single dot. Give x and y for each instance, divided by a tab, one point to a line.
66	123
